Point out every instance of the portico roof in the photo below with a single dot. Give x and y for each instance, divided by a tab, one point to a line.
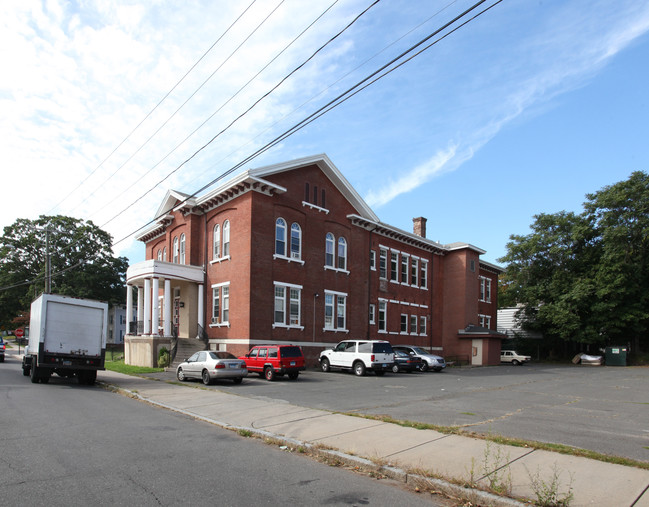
137	273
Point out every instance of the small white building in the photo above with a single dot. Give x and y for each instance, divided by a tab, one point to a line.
510	325
117	320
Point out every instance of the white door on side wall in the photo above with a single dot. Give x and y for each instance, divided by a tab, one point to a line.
476	357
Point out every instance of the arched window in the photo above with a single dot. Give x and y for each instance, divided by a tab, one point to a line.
280	237
296	241
175	254
226	238
216	242
159	254
342	253
329	250
182	248
164	254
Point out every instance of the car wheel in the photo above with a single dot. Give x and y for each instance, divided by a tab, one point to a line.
423	367
34	374
293	376
180	375
395	368
324	365
237	380
206	378
26	371
359	368
515	362
269	373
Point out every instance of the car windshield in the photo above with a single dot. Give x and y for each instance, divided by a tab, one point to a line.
420	351
290	352
221	355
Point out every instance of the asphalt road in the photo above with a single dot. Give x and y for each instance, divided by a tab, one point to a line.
604	409
63	444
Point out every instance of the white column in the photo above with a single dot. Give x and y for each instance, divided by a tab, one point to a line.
129	308
167	308
201	312
147	306
155	309
140	304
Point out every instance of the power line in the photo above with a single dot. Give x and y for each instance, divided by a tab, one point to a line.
370	79
149	115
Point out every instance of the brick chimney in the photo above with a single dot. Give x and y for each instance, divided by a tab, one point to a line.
419	226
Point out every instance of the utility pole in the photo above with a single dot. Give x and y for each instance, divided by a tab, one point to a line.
48	263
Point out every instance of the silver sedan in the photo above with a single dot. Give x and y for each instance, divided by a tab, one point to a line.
209	365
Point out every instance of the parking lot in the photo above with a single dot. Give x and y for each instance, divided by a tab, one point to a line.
605	409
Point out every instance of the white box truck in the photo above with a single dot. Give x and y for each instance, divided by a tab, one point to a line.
67	337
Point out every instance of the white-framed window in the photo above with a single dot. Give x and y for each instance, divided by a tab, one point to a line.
335	311
372	313
182	248
221	304
372	260
296	241
383	264
287	310
159	254
329	250
383	315
226	238
404	323
413	324
216	242
342	253
280	305
422	326
405	260
175	254
280	237
394	267
485	289
164	254
414	270
485	321
423	274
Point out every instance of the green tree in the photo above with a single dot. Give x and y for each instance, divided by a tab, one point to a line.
82	263
582	278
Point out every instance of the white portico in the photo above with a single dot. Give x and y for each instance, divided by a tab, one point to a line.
169	304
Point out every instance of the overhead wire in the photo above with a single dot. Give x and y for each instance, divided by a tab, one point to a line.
232	97
327	107
128	136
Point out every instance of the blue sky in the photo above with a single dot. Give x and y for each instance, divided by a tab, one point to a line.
522	111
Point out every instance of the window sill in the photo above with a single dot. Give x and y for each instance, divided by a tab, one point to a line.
220	259
289	259
222	324
287	326
338	270
332	330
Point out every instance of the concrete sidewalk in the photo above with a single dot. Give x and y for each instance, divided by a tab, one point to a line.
405	453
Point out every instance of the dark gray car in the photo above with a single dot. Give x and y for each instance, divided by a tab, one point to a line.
430	361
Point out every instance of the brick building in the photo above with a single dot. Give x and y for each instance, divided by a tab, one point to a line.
291	253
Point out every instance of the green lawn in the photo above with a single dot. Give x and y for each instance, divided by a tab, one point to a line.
120	367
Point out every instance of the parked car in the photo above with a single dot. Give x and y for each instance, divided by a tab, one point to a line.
359	356
2	350
405	362
511	356
430	361
271	361
209	365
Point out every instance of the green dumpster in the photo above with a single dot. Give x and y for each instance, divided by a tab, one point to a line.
616	356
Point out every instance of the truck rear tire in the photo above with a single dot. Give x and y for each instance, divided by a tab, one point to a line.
34	374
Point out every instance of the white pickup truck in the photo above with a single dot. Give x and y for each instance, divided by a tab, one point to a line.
511	356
